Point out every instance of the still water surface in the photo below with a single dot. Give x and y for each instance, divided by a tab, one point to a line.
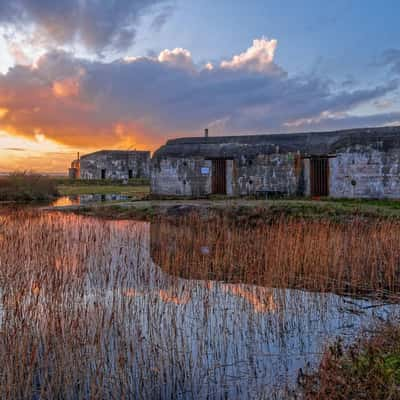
182	338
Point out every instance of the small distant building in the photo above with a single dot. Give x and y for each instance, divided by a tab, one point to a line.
112	164
357	163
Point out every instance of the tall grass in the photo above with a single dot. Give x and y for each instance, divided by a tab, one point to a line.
85	313
27	186
358	257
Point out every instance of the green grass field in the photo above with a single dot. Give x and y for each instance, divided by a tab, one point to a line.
126	190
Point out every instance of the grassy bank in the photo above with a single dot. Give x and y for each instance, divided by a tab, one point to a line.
136	188
126	190
368	369
245	209
24	186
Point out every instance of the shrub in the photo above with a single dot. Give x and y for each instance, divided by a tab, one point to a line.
27	186
370	368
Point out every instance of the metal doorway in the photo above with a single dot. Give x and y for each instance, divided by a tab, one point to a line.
319	176
219	176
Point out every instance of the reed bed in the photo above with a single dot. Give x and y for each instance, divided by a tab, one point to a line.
27	186
85	313
358	257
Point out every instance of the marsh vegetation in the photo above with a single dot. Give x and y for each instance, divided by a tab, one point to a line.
27	186
196	308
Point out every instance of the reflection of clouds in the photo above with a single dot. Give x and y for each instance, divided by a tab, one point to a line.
262	299
170	296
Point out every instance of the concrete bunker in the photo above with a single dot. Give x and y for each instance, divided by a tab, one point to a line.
112	164
355	163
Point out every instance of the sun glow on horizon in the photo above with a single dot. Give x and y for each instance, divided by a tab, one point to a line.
42	154
39	153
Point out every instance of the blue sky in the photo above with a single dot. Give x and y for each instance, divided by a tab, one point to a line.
337	37
99	73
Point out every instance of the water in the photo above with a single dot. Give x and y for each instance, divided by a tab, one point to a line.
88	199
160	336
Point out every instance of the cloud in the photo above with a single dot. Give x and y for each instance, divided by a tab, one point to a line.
327	121
160	20
180	58
258	58
14	149
143	100
391	57
95	24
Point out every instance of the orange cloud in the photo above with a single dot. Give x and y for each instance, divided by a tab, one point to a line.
66	88
3	112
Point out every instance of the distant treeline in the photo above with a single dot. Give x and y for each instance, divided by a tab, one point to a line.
27	186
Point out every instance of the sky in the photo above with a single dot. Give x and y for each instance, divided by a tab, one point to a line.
84	75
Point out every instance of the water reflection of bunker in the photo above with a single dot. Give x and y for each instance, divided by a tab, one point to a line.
180	338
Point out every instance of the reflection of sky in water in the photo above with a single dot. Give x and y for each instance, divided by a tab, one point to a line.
87	199
193	339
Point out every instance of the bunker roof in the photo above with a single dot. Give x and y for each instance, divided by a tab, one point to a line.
309	143
116	153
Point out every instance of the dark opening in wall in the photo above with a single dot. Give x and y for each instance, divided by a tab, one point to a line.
249	162
103	174
130	174
319	176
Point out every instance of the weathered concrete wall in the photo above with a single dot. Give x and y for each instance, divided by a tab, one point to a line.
116	165
365	172
182	177
245	176
269	172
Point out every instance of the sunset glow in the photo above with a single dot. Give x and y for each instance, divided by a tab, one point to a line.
133	80
39	153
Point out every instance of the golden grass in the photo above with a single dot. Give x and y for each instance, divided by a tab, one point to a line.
358	257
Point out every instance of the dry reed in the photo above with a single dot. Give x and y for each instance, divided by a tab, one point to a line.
356	257
86	314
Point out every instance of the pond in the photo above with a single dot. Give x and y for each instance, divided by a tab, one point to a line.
82	199
85	303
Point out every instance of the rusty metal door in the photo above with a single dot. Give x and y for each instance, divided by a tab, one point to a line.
219	176
319	176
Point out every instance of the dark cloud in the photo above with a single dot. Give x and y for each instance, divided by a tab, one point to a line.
147	99
14	149
96	24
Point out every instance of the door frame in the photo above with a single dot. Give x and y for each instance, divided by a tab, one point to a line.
319	175
218	176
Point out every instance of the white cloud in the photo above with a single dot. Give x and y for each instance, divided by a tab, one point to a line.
178	57
257	58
